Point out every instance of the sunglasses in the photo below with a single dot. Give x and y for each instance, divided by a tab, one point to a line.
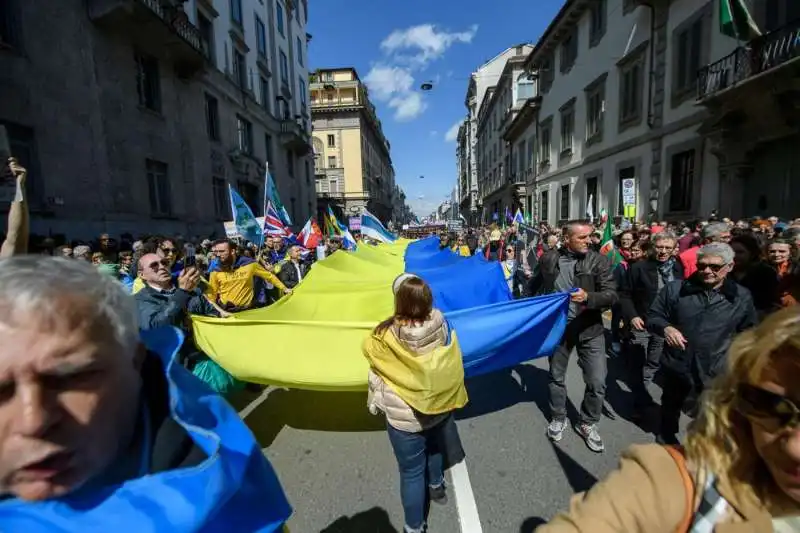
155	265
168	251
713	266
771	411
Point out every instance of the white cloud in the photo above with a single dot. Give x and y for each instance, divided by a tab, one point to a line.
452	133
425	41
391	80
385	81
407	106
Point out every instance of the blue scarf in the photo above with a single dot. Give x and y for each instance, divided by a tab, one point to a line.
234	489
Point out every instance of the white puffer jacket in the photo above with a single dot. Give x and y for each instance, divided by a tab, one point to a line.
420	339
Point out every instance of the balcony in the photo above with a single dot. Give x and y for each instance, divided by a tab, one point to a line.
759	57
295	137
159	26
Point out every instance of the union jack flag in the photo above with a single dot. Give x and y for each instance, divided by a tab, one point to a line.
273	225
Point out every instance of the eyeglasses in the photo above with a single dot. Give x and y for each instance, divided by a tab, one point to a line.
769	410
713	266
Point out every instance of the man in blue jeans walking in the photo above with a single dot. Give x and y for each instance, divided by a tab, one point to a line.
588	275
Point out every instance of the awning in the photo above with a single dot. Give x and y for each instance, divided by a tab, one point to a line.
735	20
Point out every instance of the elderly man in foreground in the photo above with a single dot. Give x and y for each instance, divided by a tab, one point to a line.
98	429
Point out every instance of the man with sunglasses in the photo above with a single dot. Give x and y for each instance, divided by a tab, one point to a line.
698	318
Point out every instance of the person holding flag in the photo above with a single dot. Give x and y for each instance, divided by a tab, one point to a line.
587	276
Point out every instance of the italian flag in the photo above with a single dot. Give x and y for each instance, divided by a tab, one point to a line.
607	247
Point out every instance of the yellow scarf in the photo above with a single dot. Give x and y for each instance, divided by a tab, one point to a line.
431	383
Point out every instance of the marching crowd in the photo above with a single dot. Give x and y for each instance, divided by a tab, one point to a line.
95	419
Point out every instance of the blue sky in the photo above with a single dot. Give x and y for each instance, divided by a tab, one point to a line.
395	45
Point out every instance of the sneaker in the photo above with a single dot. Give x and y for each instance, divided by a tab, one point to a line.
414	529
555	430
438	494
589	434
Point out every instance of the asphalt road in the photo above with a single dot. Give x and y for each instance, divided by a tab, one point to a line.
337	467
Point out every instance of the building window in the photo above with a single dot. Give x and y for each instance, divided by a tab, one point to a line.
545	144
244	130
236	11
264	86
239	69
525	87
261	37
290	163
299	51
279	17
544	206
148	82
591	196
249	193
631	90
687	59
627	173
206	29
563	211
331	141
569	50
681	181
302	85
595	111
158	187
546	73
220	192
327	76
284	66
268	147
567	129
212	118
597	22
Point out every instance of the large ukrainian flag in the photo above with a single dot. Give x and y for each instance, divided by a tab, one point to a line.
312	339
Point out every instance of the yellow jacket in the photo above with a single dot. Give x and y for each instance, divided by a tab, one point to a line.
431	383
236	287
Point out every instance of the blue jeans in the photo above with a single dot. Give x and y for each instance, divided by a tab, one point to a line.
421	462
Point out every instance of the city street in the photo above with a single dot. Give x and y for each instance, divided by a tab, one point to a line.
337	467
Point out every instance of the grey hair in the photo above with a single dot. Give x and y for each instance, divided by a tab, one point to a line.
716	249
714	230
663	236
35	284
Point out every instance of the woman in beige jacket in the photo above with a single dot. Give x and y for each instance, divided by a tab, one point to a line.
416	379
740	470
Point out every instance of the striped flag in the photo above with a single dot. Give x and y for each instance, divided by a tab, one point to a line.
273	224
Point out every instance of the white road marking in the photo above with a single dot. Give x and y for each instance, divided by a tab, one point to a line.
252	406
465	499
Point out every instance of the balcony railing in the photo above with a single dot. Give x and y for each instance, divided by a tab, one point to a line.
175	17
295	137
759	55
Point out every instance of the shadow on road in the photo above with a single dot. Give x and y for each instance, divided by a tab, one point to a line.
314	410
375	520
529	525
578	477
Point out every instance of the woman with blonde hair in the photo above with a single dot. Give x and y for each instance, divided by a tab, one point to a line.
740	470
416	379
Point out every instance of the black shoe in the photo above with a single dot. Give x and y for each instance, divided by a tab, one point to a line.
438	494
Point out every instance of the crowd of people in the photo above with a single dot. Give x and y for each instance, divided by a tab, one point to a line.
97	414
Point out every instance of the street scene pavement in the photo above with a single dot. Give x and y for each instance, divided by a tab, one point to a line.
338	470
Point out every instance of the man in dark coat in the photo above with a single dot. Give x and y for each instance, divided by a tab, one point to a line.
638	290
577	268
698	319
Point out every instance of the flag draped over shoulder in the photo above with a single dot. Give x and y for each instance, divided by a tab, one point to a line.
371	227
246	223
607	247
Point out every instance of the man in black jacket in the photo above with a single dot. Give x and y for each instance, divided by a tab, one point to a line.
698	319
292	271
637	292
575	267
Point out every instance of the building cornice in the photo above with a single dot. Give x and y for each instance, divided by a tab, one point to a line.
524	117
